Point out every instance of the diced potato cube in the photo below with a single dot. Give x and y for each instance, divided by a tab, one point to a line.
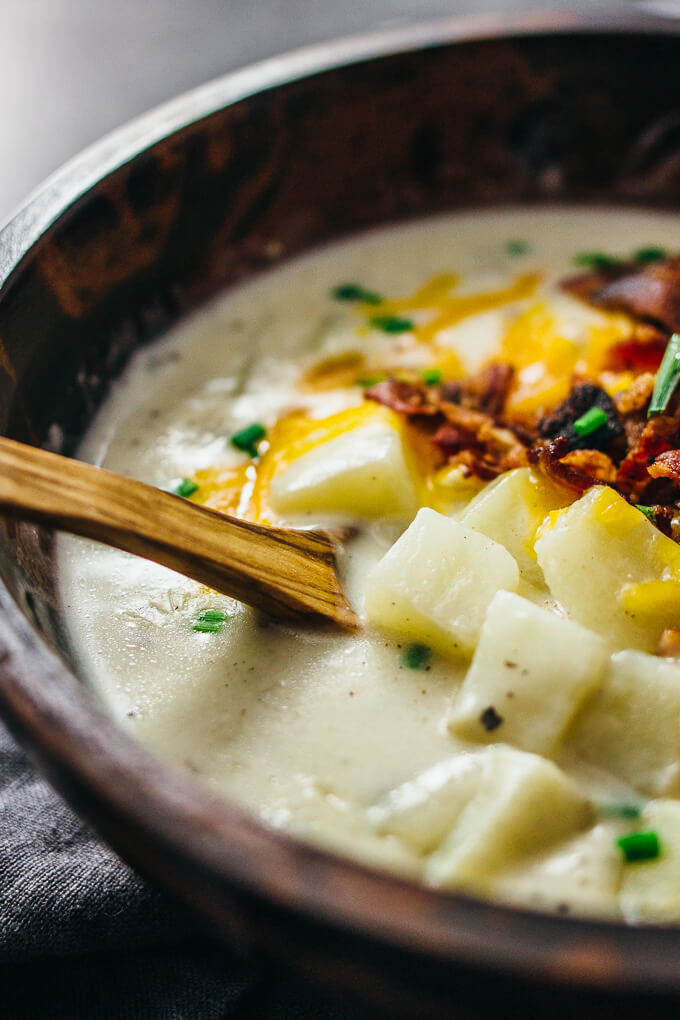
650	890
422	811
531	672
523	805
436	582
362	472
580	876
612	570
510	510
631	726
479	814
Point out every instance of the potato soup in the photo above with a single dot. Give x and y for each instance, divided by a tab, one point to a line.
485	405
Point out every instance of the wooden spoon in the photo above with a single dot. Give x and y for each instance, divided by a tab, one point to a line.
288	574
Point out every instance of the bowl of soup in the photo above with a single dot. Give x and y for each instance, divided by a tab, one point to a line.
422	290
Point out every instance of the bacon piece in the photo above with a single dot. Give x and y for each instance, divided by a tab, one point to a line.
593	463
637	396
663	515
450	439
666	465
586	285
657	436
636	355
403	397
549	456
494	383
651	292
581	398
476	464
669	643
485	392
465	417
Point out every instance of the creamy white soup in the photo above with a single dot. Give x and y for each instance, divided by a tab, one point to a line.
486	403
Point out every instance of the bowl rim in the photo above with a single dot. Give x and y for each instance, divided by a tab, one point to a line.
113	781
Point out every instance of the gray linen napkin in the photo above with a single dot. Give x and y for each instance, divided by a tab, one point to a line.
84	938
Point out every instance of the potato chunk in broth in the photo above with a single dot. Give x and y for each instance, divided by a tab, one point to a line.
470	397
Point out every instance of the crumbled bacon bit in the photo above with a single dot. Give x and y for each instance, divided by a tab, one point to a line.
657	436
495	382
465	417
637	396
475	465
485	392
650	292
636	355
666	465
549	454
586	285
669	643
662	516
582	398
403	397
450	439
593	463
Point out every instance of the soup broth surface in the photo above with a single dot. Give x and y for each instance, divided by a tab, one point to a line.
353	741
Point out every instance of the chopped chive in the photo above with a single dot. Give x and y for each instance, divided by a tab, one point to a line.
623	810
649	254
369	380
640	846
666	378
516	247
431	376
355	292
391	323
417	657
590	422
210	621
207	627
214	614
185	488
248	438
595	260
648	511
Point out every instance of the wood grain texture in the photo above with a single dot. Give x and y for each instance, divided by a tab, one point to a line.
287	574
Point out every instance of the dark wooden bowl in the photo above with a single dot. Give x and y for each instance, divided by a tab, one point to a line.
202	194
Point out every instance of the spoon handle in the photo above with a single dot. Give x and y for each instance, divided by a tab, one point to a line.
288	574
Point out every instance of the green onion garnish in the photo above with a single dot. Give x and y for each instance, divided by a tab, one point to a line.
648	511
365	381
595	260
417	657
666	378
620	810
590	422
185	488
432	376
516	247
210	621
640	846
248	438
391	323
649	254
355	292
